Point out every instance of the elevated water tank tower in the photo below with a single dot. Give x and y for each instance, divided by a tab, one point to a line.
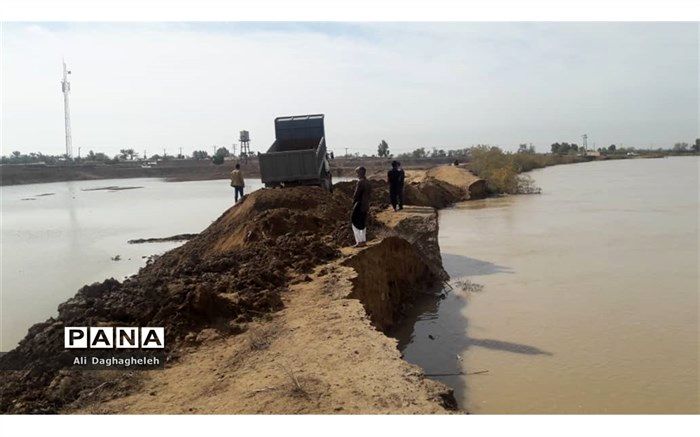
244	138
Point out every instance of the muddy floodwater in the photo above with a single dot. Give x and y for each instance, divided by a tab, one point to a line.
57	237
590	294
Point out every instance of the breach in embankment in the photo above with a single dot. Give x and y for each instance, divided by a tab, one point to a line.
268	310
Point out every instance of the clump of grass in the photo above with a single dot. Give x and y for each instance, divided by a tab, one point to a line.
526	185
261	338
296	390
468	285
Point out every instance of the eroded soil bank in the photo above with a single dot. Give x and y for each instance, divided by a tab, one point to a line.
268	310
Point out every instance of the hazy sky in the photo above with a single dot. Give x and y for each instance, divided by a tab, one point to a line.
435	84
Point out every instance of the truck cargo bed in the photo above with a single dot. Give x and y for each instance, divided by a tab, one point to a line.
298	155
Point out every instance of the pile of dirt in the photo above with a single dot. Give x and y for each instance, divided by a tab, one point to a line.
389	276
419	226
379	193
475	187
319	355
437	187
442	186
432	192
231	273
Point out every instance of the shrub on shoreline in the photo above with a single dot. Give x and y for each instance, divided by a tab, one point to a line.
502	170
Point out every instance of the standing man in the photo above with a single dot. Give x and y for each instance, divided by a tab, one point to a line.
395	177
237	182
360	207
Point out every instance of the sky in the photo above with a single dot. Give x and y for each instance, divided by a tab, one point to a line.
151	86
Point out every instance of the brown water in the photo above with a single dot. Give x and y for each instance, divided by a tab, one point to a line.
57	237
590	297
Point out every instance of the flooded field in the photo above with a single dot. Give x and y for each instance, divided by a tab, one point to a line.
590	294
60	236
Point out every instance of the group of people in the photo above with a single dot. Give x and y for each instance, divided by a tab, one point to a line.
360	199
363	194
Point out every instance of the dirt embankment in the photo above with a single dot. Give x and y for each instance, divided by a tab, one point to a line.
178	237
177	170
265	305
172	170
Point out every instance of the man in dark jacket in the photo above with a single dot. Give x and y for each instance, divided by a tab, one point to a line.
360	206
395	177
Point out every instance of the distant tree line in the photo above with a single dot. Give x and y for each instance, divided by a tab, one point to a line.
563	148
503	170
383	151
558	148
126	154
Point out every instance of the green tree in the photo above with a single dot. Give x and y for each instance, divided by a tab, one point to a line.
680	147
563	148
223	152
419	153
383	149
127	153
200	154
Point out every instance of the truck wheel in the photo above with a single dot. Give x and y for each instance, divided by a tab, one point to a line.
327	183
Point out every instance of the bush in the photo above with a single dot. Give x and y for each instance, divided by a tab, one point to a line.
502	170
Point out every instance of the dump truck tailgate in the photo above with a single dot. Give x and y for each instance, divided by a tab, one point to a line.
289	166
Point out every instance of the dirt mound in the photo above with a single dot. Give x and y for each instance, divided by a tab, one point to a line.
389	276
379	198
452	174
475	187
230	274
419	226
432	192
271	213
437	187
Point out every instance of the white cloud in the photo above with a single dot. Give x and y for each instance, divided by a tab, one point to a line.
445	85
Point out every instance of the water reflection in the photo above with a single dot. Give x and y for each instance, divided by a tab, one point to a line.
460	265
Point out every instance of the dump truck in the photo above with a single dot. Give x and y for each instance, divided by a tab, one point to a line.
298	155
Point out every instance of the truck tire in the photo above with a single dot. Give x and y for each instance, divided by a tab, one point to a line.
327	182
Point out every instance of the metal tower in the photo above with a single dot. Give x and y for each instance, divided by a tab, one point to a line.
244	139
65	87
